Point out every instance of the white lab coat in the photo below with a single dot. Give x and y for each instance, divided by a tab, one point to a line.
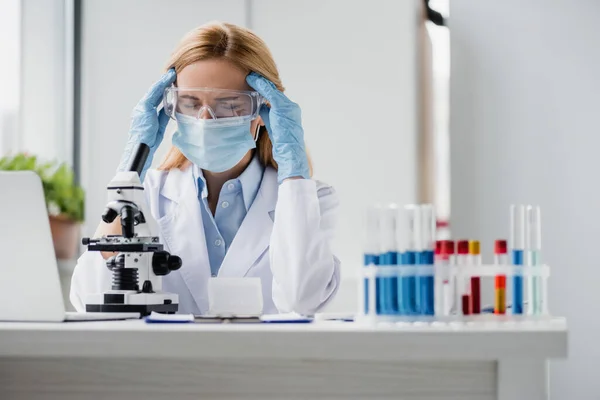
285	240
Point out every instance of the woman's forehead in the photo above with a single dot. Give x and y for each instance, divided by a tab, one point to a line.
215	73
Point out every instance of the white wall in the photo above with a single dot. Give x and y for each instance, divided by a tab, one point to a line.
44	126
350	65
10	48
524	106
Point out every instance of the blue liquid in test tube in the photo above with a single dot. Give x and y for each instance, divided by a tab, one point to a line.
517	244
426	246
388	293
388	286
407	284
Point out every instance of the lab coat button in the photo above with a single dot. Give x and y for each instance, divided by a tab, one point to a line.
218	242
225	204
230	186
214	275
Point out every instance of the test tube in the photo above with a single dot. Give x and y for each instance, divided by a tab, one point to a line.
500	258
447	254
388	257
500	252
438	249
475	258
462	252
534	248
441	267
425	286
463	298
371	252
407	233
517	244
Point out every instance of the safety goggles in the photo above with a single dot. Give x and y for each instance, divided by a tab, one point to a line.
209	103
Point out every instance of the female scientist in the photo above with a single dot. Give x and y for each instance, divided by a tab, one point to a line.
234	196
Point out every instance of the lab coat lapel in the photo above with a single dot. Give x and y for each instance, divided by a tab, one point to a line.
183	231
254	235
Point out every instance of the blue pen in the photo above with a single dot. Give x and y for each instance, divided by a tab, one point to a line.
371	249
388	257
426	246
517	244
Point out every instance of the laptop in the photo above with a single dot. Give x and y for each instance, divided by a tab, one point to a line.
30	287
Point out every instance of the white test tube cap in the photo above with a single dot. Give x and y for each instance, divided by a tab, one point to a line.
387	228
371	230
427	240
409	228
534	228
401	230
517	227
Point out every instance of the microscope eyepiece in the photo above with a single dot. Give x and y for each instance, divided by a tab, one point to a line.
138	160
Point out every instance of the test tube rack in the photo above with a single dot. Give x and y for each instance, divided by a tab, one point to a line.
405	278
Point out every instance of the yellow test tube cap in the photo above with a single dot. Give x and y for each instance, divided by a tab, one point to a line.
474	247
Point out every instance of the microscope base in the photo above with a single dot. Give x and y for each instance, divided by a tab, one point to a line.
143	309
124	301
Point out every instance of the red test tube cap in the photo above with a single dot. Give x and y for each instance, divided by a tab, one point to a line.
501	281
500	247
448	247
438	247
462	247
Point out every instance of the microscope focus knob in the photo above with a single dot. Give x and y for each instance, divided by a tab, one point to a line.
175	263
115	262
163	263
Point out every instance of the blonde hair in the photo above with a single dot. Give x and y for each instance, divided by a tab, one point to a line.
239	46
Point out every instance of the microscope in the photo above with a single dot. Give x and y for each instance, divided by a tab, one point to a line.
140	263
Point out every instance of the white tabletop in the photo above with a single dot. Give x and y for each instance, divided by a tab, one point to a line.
319	340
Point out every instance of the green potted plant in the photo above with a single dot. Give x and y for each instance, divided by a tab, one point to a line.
64	199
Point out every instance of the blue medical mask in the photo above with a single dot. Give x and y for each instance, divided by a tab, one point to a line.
213	145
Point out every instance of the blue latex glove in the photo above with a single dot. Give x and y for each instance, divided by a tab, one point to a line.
147	124
283	122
